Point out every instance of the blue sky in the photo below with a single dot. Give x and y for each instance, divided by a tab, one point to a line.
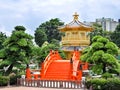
31	13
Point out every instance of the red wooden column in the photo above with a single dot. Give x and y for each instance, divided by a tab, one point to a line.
28	73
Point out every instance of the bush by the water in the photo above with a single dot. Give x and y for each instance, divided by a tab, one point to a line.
103	84
4	80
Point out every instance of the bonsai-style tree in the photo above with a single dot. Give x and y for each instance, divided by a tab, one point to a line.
101	54
18	49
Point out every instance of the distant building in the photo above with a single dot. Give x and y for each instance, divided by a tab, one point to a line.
108	24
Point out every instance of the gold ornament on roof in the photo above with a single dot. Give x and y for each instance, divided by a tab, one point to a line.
75	16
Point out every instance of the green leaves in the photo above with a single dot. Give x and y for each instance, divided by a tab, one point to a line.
103	40
14	48
102	54
109	59
115	36
20	28
17	48
97	68
40	37
97	45
3	37
94	39
48	31
111	48
22	42
2	53
97	55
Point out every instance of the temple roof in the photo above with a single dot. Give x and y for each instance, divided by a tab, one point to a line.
76	24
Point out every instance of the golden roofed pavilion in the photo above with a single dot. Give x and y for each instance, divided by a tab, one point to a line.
76	35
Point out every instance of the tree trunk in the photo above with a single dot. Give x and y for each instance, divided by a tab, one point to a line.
27	66
9	70
104	68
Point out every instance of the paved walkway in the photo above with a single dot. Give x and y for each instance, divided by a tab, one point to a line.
32	88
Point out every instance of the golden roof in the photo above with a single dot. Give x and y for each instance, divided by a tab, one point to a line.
75	25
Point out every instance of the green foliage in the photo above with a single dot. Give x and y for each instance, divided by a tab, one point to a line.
107	75
36	54
40	37
2	53
117	28
22	42
97	30
17	49
4	80
86	50
102	54
103	40
55	42
13	79
97	45
96	83
94	39
97	55
103	84
14	48
20	28
50	28
3	37
111	48
45	49
115	36
111	60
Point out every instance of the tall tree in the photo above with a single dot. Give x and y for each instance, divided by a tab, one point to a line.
51	30
3	37
18	49
101	54
115	36
40	37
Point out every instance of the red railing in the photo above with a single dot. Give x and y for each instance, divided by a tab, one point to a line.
71	84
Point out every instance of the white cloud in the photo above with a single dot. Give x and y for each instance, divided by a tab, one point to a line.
32	12
2	29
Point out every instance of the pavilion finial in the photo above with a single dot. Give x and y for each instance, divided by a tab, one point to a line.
75	16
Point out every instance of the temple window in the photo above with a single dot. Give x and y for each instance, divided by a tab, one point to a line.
68	34
75	35
83	35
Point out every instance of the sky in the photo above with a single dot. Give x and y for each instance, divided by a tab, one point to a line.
31	13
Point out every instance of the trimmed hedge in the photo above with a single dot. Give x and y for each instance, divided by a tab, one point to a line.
13	79
103	84
4	80
107	75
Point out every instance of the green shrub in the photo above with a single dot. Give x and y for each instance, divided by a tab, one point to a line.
103	84
13	79
4	80
96	83
113	84
107	75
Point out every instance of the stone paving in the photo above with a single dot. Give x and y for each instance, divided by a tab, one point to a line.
32	88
